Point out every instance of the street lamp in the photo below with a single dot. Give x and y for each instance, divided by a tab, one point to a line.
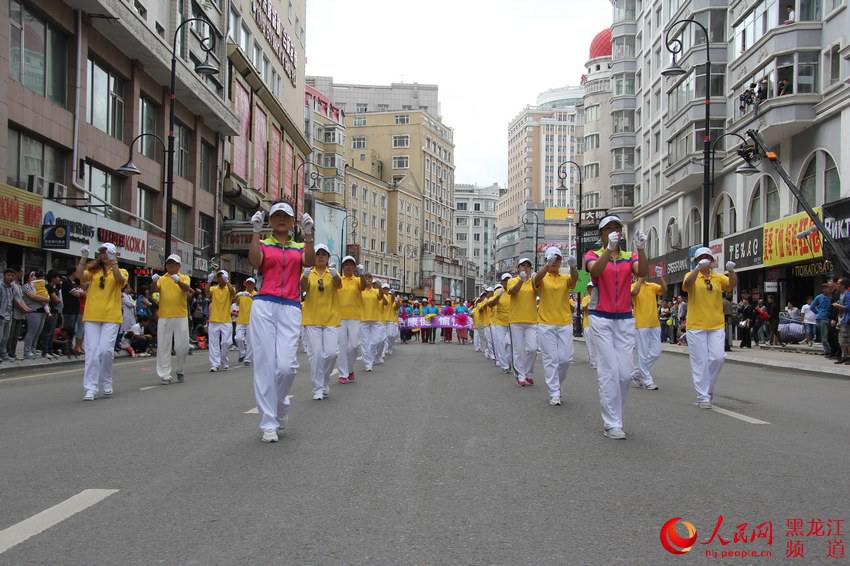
314	177
409	250
562	175
129	169
526	222
675	46
353	226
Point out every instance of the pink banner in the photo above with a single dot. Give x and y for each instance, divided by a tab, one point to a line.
287	171
448	321
299	184
274	164
261	135
240	143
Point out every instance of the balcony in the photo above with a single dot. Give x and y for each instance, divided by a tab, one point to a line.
780	118
780	39
684	176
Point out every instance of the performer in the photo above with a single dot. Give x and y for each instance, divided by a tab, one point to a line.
588	332
500	309
611	270
220	326
244	300
373	301
276	312
320	319
647	329
103	281
173	324
523	323
555	314
381	330
706	333
350	304
391	322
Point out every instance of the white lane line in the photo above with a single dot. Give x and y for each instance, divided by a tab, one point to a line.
253	411
148	388
738	416
40	522
78	369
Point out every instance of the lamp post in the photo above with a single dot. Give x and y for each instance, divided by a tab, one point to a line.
675	46
746	151
562	175
409	250
526	222
342	239
314	177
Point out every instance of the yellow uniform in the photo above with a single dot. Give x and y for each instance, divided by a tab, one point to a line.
349	299
705	306
390	314
103	303
173	301
554	293
500	314
220	301
244	301
585	314
371	309
645	305
320	307
523	308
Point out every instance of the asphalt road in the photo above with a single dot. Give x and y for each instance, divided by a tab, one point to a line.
435	458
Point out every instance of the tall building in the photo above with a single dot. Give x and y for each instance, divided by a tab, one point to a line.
361	99
475	228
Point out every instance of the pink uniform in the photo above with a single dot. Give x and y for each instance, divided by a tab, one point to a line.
612	297
280	272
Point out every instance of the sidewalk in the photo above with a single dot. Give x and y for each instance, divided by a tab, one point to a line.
793	357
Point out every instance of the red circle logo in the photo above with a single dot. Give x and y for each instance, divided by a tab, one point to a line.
672	541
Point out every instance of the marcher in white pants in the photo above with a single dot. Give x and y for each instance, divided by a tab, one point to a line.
587	331
244	300
500	307
276	312
382	339
320	319
611	319
647	328
391	323
103	280
220	326
350	304
523	320
706	332
372	325
555	314
173	324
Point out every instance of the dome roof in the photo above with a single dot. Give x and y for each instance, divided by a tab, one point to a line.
601	44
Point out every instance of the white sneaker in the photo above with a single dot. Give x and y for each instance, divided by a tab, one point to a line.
107	393
615	433
318	396
89	396
213	370
652	387
165	381
705	405
270	436
327	392
555	401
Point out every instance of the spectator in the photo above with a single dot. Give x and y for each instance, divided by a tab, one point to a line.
793	312
748	316
821	307
784	87
683	321
790	16
128	310
143	304
809	320
7	310
19	314
843	308
62	341
773	320
835	319
36	298
761	326
728	321
71	293
52	286
761	91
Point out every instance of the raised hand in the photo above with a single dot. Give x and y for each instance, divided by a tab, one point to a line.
257	221
659	271
84	252
175	278
730	266
572	262
640	240
155	277
307	224
704	263
613	241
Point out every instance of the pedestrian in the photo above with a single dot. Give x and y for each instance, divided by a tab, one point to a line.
683	321
523	322
499	307
611	269
728	322
71	319
53	314
174	288
555	324
429	312
706	335
772	308
373	300
144	303
19	314
673	335
244	299
37	300
664	314
381	337
391	322
745	326
220	327
589	344
7	310
275	323
843	308
822	305
448	310
462	318
648	332
809	317
489	321
320	319
128	310
103	280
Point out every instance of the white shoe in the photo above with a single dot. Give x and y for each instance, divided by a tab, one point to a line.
89	396
225	367
107	393
318	396
705	405
165	381
213	370
369	369
614	433
327	392
555	401
270	436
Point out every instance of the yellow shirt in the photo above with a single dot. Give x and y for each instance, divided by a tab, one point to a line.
554	292
371	307
584	312
244	301
645	305
348	299
103	305
500	315
320	307
705	308
173	301
220	301
524	303
392	311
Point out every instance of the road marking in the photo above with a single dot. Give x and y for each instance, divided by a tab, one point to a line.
148	388
254	411
40	522
78	369
738	416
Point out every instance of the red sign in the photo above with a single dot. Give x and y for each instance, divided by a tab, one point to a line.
274	164
240	143
261	134
287	171
299	183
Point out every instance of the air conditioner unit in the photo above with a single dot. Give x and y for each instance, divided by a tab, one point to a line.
57	191
37	184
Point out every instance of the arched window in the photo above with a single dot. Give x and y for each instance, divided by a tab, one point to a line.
653	243
755	207
809	183
724	219
772	208
694	227
764	204
831	180
673	237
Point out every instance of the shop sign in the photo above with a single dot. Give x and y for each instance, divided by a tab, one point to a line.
156	254
745	249
836	219
271	26
813	269
20	217
236	240
782	244
201	264
771	286
54	238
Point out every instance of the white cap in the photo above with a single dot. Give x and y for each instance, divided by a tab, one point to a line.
222	272
322	247
173	257
553	251
284	207
251	280
703	251
488	289
108	246
505	276
385	286
590	283
499	286
608	220
349	258
525	260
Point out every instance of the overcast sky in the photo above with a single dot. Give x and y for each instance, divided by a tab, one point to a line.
490	58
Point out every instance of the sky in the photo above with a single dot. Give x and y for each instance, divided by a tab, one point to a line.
490	59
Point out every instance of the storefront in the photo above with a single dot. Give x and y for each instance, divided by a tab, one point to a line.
20	228
745	249
791	251
674	266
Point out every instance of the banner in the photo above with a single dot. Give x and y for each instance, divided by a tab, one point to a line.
20	217
439	321
781	244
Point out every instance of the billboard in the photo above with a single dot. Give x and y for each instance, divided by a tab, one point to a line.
331	229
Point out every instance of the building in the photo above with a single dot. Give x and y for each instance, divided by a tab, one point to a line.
80	81
324	126
361	99
475	229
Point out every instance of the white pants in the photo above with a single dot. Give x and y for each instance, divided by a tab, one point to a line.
392	334
476	339
166	330
370	333
220	339
648	342
524	347
615	343
590	343
556	344
707	355
99	343
489	352
305	344
324	348
380	341
349	341
502	346
246	352
274	330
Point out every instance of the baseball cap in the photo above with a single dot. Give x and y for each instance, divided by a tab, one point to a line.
108	246
251	280
608	220
385	286
222	272
525	260
322	248
590	284
505	276
499	286
553	251
173	257
703	251
348	258
281	207
489	289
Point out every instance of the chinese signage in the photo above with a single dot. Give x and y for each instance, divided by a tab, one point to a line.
201	263
20	217
673	266
782	244
745	249
240	144
271	26
260	134
55	238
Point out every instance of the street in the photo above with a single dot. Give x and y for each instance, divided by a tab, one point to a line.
435	458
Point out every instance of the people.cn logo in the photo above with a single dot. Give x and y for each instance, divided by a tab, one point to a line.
672	541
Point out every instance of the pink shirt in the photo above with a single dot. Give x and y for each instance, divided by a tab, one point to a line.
280	272
612	290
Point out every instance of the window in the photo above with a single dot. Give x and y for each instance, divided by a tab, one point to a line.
694	227
401	119
623	196
180	221
105	109
624	84
461	221
476	222
400	162
833	63
358	142
461	206
624	121
624	11
807	72
831	180
591	170
591	142
206	233
38	57
181	146
28	156
360	108
591	113
724	217
652	241
245	40
622	46
401	141
148	145
145	204
755	218
353	191
208	166
476	207
359	121
234	26
623	158
106	187
460	237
